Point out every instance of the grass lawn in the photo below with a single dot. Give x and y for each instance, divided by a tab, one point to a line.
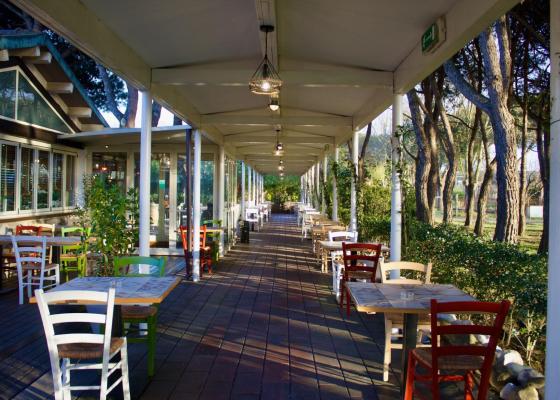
529	241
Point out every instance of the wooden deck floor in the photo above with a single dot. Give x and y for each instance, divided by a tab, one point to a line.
265	325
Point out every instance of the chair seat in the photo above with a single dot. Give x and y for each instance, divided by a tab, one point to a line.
87	351
70	256
449	363
138	312
360	275
48	267
398	319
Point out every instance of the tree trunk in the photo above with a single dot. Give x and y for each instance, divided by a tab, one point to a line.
483	198
507	209
156	113
131	106
448	142
543	152
471	178
423	161
525	122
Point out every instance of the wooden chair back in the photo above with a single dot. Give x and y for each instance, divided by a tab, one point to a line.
386	268
31	254
50	321
486	352
70	232
360	257
28	230
121	266
343	236
203	235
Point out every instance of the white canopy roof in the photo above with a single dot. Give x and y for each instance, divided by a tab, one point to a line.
341	61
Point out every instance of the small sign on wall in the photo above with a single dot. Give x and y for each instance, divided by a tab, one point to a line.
434	36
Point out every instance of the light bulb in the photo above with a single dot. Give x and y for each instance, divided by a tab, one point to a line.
274	105
265	85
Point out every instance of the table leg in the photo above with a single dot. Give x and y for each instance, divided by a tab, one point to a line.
410	329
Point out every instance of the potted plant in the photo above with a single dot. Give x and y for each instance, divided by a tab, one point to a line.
112	217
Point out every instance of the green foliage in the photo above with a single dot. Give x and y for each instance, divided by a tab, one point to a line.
280	191
489	271
112	217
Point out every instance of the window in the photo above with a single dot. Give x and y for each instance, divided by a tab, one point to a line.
34	109
27	178
8	93
8	174
112	166
70	189
33	179
57	177
43	162
21	101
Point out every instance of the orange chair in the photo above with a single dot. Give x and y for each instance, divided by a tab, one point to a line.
205	250
360	262
461	359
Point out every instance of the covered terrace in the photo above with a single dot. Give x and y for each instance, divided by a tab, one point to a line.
342	64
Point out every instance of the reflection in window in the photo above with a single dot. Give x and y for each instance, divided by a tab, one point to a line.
8	94
32	108
27	178
112	166
58	164
43	180
70	182
8	159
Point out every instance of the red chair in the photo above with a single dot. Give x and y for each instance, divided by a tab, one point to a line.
205	251
461	359
360	262
8	256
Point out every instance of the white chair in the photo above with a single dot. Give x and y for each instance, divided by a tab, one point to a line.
395	320
336	261
32	269
307	223
97	349
252	216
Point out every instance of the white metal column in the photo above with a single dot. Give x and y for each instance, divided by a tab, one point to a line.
335	190
249	184
396	202
145	160
221	192
242	205
318	183
353	196
255	186
196	206
325	175
552	388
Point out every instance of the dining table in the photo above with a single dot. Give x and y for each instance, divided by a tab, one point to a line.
411	300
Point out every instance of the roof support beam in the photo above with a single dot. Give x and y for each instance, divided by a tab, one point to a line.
80	112
293	72
228	119
60	87
252	138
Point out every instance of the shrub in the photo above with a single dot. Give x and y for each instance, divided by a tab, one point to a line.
489	271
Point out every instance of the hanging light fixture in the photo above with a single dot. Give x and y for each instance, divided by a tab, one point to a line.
265	80
274	104
279	148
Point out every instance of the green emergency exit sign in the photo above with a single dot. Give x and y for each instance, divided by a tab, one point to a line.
434	36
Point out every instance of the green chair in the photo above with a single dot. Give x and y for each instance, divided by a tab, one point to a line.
74	258
135	315
214	236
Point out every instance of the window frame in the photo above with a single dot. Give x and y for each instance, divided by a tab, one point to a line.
47	101
35	171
